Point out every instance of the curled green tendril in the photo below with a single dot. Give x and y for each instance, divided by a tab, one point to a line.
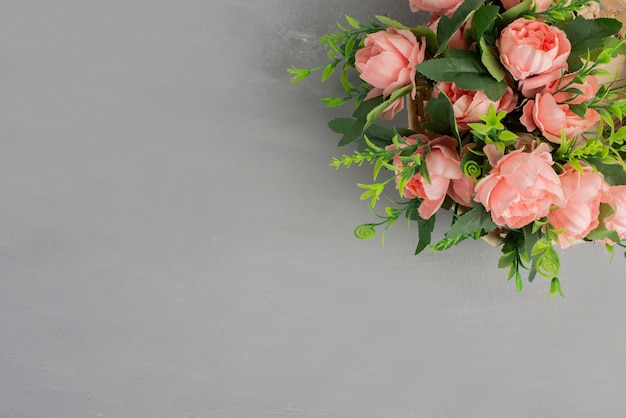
365	231
548	264
472	169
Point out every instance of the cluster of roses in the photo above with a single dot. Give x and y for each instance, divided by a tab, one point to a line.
522	185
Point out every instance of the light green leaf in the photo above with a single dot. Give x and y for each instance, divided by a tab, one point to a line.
490	60
375	113
390	22
353	22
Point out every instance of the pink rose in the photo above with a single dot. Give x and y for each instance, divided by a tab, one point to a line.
531	47
588	89
388	59
533	85
554	120
440	7
617	221
392	110
443	163
520	188
462	190
582	193
542	5
468	105
552	82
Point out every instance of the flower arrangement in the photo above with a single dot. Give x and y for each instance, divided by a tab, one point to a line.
515	125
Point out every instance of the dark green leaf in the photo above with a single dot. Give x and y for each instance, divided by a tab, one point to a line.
431	39
506	260
377	135
475	219
588	34
483	19
614	174
574	63
533	270
341	125
355	132
530	239
447	27
442	116
466	70
426	227
366	107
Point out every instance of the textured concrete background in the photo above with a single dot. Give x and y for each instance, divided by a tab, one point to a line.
174	244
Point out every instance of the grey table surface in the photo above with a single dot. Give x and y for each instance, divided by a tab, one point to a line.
173	242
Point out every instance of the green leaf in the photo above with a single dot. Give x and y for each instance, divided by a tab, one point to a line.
355	132
378	135
617	45
335	101
483	19
464	68
431	39
506	260
391	23
518	280
574	63
600	234
490	61
300	74
441	116
614	174
341	125
513	13
426	227
588	34
353	22
447	27
375	112
530	239
475	219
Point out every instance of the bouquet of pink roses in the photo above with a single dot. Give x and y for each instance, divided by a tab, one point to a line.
515	125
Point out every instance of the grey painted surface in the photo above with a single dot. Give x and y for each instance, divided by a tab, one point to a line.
174	244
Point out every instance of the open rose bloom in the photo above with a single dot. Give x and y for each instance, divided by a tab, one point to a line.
512	125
